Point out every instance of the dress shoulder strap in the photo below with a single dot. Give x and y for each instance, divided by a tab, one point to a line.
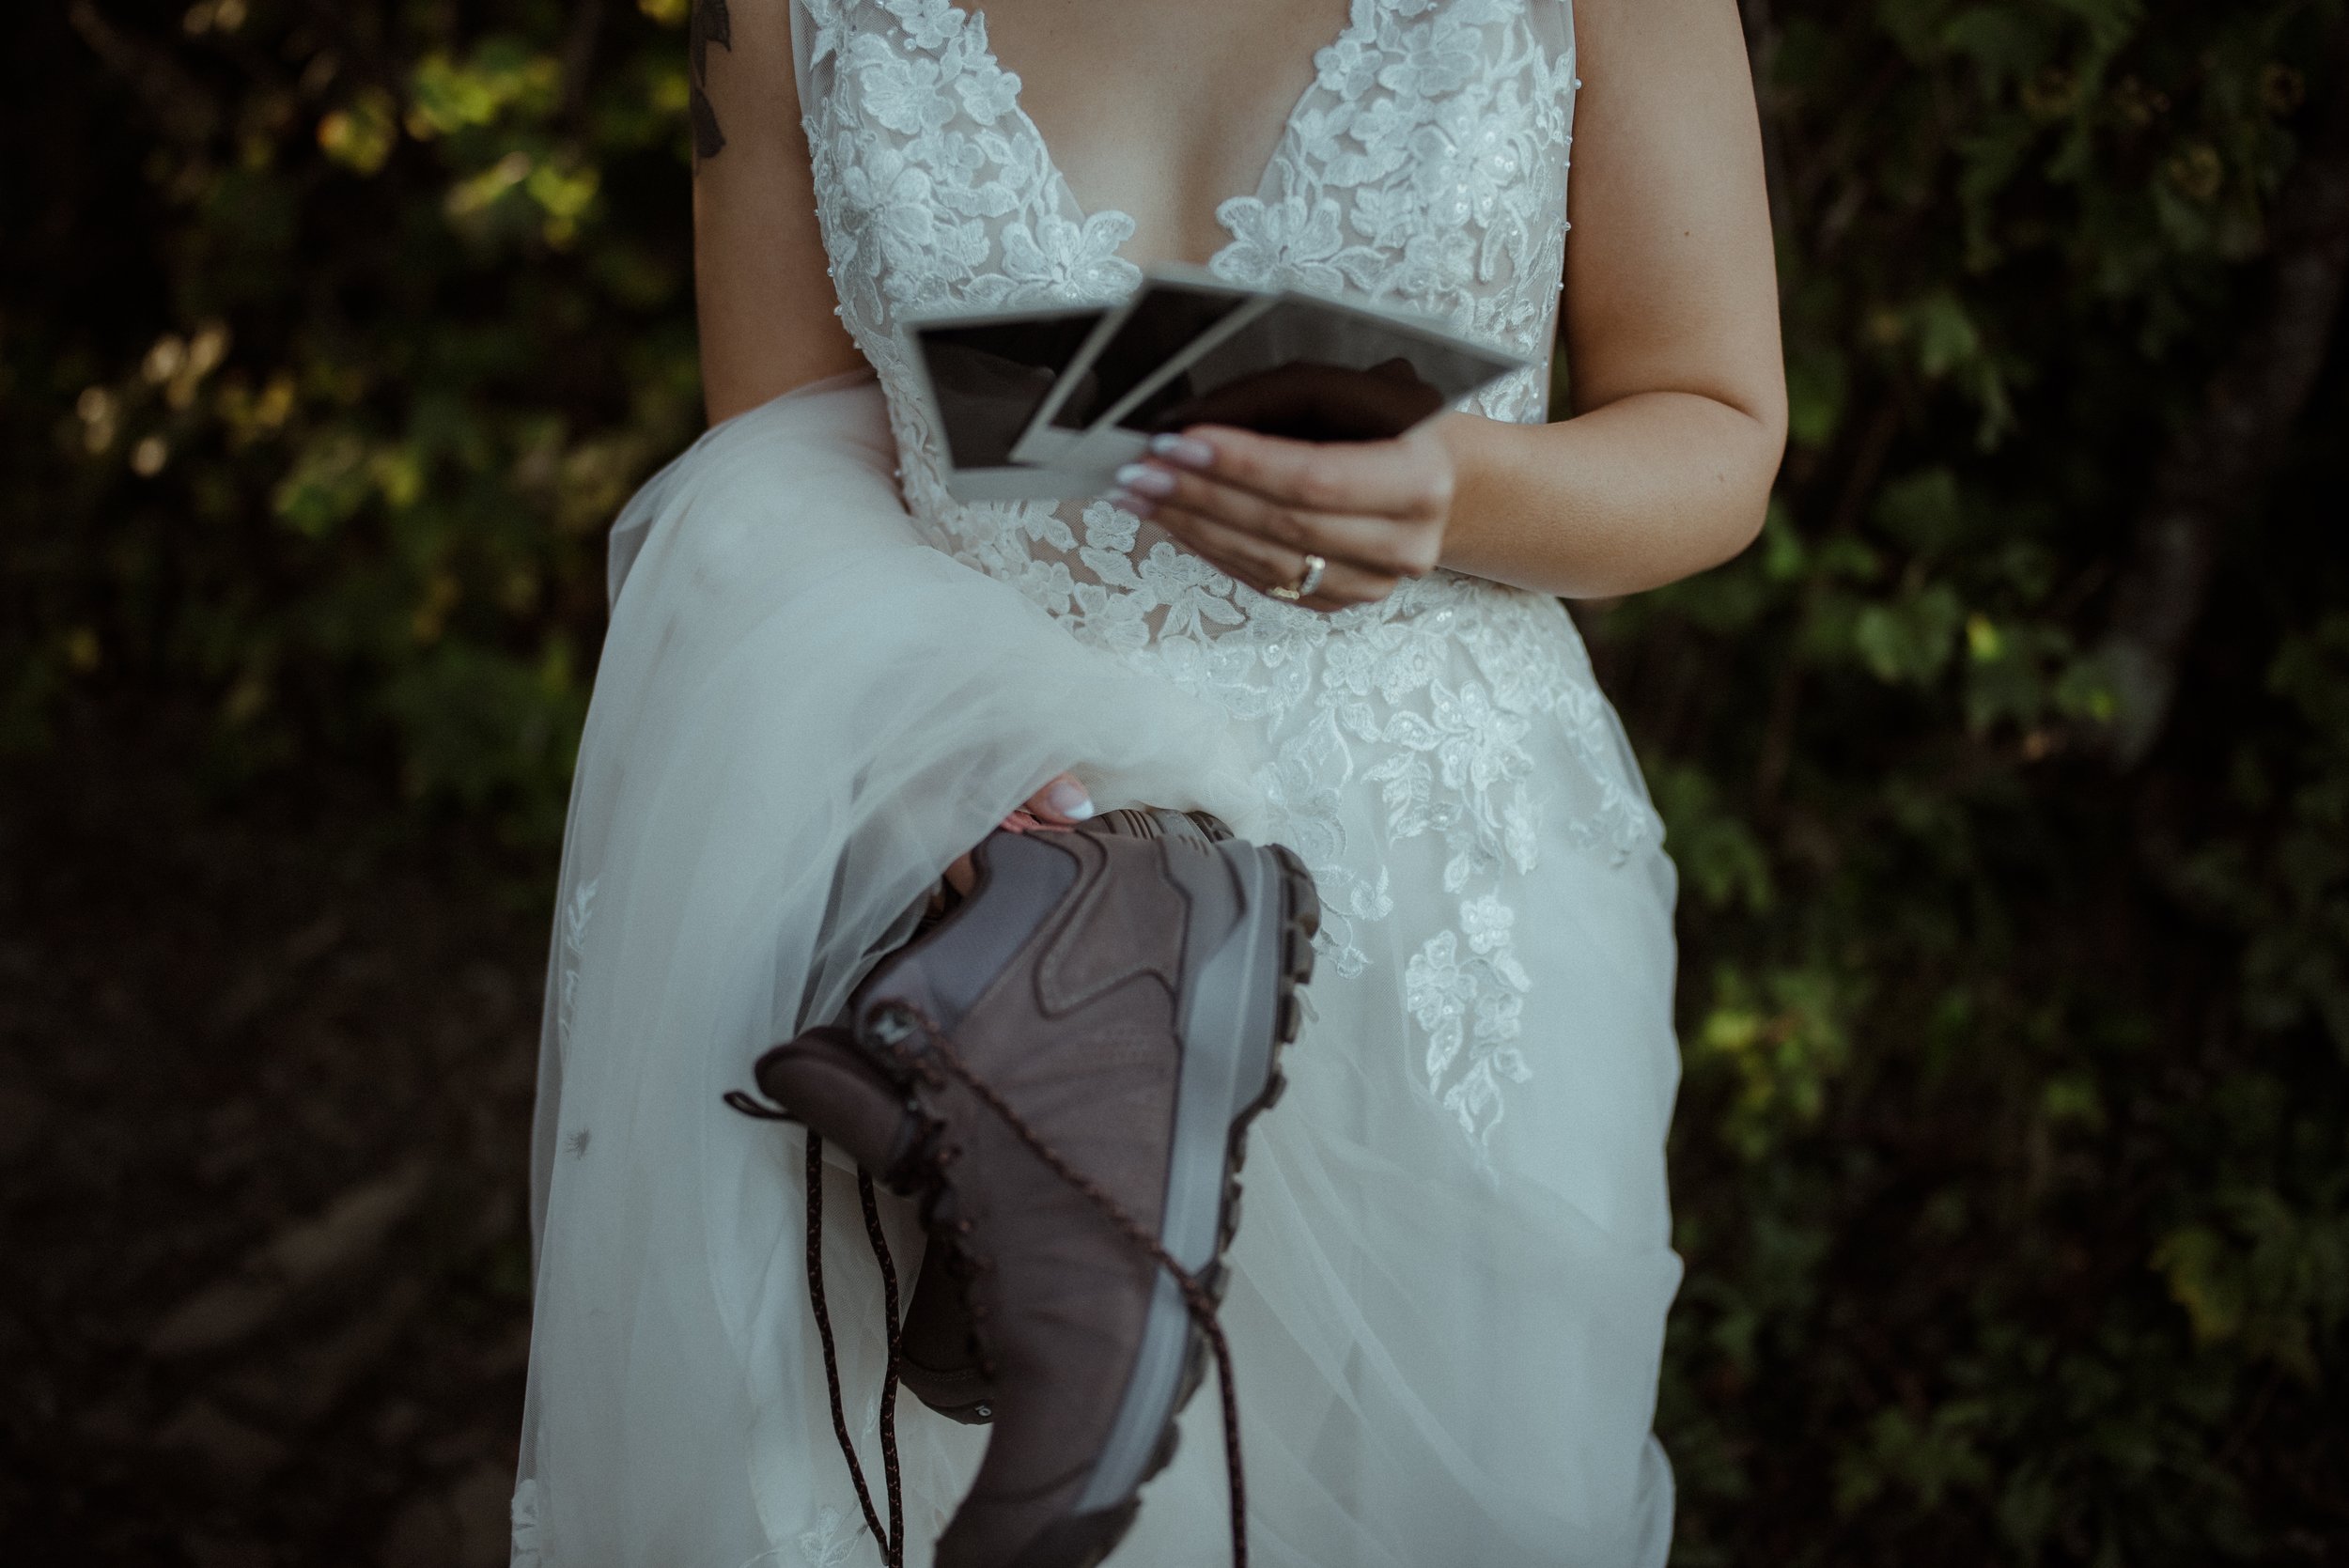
803	35
1552	22
821	31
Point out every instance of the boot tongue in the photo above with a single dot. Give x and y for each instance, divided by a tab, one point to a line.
824	1081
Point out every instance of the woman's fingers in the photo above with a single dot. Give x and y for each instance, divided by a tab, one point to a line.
1061	804
1406	476
1257	507
1384	546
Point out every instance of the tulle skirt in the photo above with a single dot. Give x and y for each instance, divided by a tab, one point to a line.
1447	1350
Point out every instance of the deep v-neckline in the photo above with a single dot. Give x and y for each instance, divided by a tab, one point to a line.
1360	18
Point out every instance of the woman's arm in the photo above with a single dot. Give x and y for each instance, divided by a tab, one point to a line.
1670	319
1671	326
769	313
767	305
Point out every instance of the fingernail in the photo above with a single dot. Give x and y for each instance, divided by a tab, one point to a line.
1186	450
1145	480
1142	506
1069	799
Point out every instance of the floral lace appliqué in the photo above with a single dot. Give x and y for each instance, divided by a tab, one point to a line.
575	917
829	1542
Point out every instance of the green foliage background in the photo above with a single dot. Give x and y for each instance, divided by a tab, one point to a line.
2012	1161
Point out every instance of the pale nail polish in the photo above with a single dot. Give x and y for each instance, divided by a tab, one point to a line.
1186	450
1145	480
1141	505
1069	799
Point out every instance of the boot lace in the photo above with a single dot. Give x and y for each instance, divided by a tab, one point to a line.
891	1540
917	1045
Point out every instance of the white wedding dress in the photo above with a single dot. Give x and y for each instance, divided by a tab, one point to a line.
825	678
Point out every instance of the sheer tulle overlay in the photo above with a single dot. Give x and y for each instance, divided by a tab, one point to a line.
824	679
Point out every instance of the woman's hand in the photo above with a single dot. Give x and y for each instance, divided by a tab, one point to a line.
1256	505
1061	804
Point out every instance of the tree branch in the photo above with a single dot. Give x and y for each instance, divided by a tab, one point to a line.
2224	457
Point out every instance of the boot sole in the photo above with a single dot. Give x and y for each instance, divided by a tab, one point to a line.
1247	1010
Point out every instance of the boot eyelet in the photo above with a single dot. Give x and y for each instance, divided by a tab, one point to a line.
890	1024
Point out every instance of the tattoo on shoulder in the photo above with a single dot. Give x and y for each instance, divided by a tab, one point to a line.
710	25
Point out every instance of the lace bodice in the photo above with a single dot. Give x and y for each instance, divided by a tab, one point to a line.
1424	167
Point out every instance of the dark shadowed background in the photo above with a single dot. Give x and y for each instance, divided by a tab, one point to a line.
2008	775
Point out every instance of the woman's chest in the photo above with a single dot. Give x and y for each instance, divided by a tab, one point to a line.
1415	156
1160	111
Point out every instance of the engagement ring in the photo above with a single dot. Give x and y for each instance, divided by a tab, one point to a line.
1304	586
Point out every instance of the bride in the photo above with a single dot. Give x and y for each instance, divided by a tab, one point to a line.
826	681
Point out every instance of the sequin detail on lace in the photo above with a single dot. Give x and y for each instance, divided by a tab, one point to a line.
1424	167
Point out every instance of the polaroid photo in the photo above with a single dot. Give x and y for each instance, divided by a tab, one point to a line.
1305	366
1170	310
985	376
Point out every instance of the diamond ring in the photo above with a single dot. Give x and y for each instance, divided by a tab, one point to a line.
1303	587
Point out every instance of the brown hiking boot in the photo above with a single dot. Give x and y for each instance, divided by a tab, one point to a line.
939	1357
1066	1067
